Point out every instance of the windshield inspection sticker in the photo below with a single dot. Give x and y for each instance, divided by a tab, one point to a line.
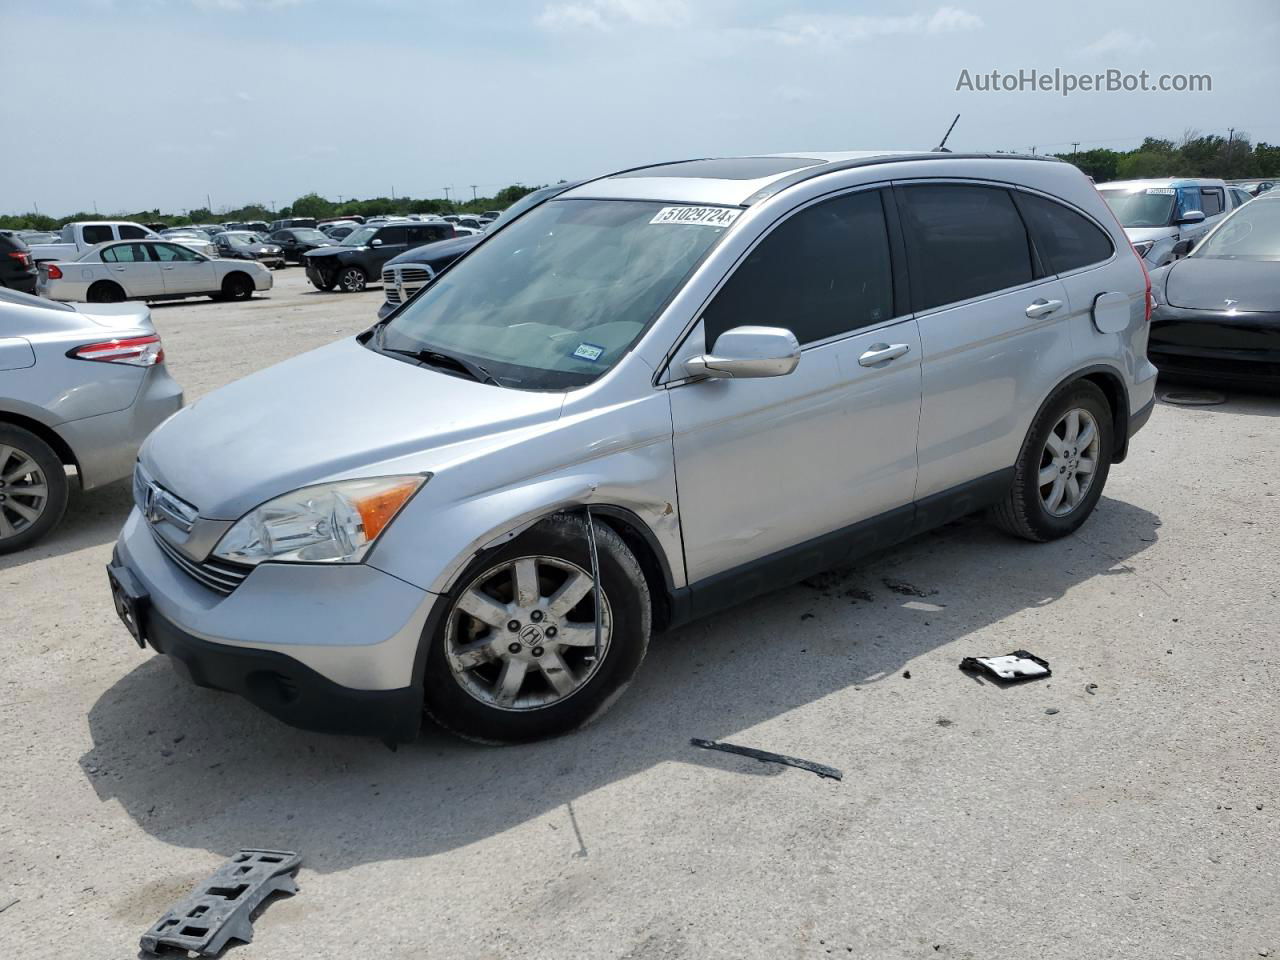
703	216
588	351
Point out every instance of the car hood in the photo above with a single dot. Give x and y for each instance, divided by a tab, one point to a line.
453	247
329	250
1203	283
341	410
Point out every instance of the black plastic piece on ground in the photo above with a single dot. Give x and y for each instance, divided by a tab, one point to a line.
220	910
765	756
1006	669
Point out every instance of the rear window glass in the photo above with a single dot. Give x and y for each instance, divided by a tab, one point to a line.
1066	240
97	234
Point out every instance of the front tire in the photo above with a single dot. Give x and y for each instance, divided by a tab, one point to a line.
1062	468
352	280
237	286
33	488
491	681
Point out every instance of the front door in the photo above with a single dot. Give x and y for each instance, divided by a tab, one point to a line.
136	273
184	271
773	472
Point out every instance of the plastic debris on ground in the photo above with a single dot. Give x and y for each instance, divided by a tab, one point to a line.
1011	668
766	756
221	909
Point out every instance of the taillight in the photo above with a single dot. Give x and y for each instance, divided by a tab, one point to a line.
52	272
135	351
1147	277
21	256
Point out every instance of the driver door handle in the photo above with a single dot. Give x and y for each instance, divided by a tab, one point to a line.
883	353
1042	308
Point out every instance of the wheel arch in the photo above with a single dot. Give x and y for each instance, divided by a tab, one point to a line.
232	274
46	433
102	283
1111	382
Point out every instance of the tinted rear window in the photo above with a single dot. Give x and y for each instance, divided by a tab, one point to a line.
1066	240
963	241
97	234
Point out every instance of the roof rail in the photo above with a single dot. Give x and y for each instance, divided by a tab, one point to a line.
822	169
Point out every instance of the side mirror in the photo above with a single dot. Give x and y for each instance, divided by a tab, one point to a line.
1190	217
747	352
375	242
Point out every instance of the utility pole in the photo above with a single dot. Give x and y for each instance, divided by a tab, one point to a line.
37	206
1033	151
473	193
1074	147
446	194
1231	136
393	193
95	208
208	204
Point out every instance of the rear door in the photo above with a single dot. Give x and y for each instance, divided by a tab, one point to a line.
184	271
130	266
991	321
766	465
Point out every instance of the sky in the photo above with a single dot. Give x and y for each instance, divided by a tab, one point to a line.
136	104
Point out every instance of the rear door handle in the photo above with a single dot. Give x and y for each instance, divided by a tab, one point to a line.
883	353
1042	308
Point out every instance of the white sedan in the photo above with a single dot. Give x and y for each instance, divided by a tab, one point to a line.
149	270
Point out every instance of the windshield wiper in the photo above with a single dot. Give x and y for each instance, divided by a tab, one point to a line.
435	358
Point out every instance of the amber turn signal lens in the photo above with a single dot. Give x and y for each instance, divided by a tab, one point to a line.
377	510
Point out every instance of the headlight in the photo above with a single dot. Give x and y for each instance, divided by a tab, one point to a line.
327	523
1144	247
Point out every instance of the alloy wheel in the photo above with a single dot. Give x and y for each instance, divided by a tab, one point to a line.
352	279
521	636
24	491
1069	462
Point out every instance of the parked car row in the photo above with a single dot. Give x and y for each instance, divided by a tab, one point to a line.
1164	218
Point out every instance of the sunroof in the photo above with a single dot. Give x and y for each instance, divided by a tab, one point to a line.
732	168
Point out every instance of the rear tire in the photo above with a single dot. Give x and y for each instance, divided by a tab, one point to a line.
558	688
1062	468
33	501
237	286
105	291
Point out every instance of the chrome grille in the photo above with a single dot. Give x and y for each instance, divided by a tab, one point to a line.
402	281
217	575
416	275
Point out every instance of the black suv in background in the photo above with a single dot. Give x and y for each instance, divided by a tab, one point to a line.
359	258
17	270
295	241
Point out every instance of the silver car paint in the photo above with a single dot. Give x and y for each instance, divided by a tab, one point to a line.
501	459
102	411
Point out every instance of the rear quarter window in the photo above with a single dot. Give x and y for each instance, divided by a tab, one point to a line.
1065	239
97	234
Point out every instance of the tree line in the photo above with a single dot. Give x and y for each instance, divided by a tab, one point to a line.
308	205
1194	155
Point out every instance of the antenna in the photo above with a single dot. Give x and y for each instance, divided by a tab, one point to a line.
942	147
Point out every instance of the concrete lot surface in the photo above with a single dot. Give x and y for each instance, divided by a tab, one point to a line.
1129	807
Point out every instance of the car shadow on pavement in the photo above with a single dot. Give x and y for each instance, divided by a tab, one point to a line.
92	519
206	770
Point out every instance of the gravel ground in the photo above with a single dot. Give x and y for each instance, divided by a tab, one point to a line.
1127	807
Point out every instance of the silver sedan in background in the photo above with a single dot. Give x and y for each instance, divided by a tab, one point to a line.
80	386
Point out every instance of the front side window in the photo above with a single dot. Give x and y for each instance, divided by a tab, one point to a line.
556	299
97	233
822	272
1065	239
172	252
963	241
1211	201
358	238
1251	233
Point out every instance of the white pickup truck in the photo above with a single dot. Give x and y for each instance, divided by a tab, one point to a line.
80	236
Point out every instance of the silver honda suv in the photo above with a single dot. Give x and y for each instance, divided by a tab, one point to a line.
660	392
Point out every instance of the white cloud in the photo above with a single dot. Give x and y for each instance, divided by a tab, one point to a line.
1118	41
606	15
849	28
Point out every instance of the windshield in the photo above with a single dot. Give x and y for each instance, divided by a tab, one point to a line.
1251	233
1152	207
242	239
310	236
358	238
556	298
